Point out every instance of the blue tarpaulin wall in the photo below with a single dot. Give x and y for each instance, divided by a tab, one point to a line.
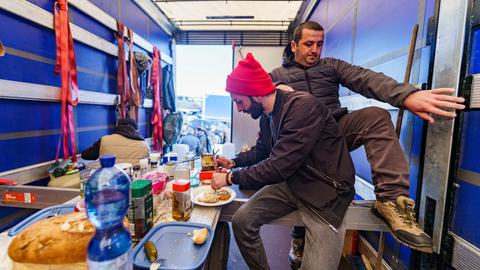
29	130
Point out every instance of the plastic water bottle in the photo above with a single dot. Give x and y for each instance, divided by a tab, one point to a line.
107	200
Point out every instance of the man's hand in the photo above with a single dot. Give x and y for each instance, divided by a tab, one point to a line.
219	180
225	162
434	101
285	88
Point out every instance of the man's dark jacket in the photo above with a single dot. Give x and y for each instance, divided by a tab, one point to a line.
307	151
125	127
322	80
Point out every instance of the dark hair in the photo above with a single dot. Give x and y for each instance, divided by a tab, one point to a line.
127	122
297	35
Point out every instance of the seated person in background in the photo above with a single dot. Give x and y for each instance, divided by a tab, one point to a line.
126	143
302	160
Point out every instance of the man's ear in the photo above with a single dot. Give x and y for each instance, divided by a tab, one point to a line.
293	46
258	99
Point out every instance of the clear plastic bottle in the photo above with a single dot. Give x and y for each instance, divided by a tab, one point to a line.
107	200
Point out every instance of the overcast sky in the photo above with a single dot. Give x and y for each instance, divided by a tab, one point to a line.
202	69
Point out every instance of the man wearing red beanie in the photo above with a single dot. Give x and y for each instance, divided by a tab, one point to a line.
301	159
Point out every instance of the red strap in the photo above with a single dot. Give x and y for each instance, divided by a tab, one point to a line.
157	105
67	67
135	97
122	79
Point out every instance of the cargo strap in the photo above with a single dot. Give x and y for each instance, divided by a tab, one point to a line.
66	66
122	75
156	81
135	96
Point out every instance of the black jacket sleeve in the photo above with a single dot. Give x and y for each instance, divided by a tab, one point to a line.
301	124
92	152
371	84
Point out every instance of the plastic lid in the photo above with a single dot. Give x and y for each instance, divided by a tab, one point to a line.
107	160
181	185
141	188
206	175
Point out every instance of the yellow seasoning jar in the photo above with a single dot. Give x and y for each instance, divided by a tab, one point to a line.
181	200
207	163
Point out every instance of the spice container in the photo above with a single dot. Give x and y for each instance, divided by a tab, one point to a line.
206	177
144	166
140	213
169	169
207	163
181	200
154	159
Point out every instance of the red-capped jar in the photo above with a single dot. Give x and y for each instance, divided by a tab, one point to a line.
206	177
181	200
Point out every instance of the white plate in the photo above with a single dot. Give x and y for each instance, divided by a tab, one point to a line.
198	193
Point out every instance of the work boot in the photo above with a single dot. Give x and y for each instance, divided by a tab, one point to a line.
400	217
296	253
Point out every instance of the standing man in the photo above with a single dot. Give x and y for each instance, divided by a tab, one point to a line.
301	158
304	70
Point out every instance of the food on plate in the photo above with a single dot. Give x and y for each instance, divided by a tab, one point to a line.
151	251
212	196
209	196
58	242
200	236
223	195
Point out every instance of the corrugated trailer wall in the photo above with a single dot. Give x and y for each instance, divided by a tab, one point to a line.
376	34
29	130
466	221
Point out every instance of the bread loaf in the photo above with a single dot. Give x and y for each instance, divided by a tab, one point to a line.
58	240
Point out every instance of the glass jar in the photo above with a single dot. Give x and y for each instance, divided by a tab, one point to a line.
208	163
181	200
169	169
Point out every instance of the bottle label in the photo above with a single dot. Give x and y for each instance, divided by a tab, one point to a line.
119	263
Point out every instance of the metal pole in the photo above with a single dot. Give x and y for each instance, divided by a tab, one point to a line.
406	79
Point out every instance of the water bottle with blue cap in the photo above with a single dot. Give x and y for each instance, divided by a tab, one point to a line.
107	200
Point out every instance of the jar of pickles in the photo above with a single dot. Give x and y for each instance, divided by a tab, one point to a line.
181	200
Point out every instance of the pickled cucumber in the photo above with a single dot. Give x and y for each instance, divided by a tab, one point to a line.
151	251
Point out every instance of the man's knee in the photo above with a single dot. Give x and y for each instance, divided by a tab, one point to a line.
375	113
375	117
241	221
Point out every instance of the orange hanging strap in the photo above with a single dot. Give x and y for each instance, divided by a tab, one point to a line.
156	81
66	66
122	75
135	96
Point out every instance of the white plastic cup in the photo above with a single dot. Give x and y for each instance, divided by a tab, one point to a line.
181	150
229	150
182	171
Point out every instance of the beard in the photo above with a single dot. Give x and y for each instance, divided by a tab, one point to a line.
256	109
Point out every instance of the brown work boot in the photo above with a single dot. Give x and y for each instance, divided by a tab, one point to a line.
296	253
400	217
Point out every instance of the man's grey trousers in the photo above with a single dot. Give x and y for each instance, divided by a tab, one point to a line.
323	246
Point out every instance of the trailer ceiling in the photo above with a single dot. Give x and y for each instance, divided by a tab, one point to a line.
230	15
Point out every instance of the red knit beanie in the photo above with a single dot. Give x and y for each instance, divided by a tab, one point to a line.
249	79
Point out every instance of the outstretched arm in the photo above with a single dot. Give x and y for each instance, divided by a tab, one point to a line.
435	101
